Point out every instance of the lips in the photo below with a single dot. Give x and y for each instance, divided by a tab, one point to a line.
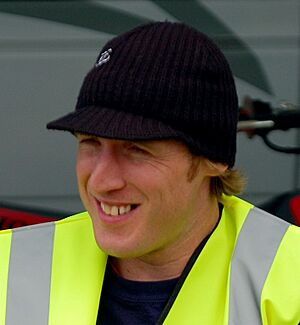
116	210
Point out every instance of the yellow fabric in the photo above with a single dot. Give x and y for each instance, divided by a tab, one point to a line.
203	299
5	243
281	293
78	267
77	273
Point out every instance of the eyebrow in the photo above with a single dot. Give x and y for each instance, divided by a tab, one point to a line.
146	143
77	134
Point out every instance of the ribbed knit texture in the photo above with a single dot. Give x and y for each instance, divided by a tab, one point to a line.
163	80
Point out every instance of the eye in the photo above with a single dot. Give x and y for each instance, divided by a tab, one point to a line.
86	139
137	148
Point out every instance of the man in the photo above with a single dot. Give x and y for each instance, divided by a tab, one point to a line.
156	125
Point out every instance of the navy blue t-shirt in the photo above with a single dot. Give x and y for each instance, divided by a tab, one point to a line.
132	302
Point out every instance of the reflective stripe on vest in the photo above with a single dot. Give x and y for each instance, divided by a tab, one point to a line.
253	256
29	276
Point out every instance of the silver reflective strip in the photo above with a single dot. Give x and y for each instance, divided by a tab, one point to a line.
255	250
29	275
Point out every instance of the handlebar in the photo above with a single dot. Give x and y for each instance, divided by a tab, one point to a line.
259	118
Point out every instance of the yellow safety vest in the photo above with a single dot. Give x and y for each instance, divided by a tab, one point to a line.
248	273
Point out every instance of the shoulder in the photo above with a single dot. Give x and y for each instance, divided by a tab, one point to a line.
281	293
80	221
287	258
270	248
82	217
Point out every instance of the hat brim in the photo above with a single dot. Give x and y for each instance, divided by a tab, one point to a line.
109	123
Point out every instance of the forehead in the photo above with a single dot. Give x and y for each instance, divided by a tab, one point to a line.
163	144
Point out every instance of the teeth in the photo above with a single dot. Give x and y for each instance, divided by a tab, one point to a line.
122	209
114	210
105	208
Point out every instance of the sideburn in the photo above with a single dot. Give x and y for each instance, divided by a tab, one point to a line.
194	168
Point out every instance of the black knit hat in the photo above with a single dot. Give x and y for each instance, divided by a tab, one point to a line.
160	81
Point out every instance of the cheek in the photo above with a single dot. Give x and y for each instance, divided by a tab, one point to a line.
80	171
83	171
84	163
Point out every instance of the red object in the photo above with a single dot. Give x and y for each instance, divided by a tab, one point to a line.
294	206
13	218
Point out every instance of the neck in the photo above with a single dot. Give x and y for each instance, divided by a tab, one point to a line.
168	263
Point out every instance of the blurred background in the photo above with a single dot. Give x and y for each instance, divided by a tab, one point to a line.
46	48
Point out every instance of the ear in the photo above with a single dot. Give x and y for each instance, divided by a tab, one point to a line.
215	168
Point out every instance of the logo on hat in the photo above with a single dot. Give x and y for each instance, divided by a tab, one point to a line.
104	57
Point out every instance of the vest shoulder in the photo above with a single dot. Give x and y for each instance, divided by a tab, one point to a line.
240	207
281	292
81	216
234	202
292	240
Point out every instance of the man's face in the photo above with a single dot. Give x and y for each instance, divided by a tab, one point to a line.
139	195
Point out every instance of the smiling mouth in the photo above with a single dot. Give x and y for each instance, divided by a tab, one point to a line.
113	210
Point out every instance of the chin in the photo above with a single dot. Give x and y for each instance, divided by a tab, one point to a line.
117	248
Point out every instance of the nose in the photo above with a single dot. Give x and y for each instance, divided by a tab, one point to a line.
107	174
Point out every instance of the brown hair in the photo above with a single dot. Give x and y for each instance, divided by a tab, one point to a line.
231	182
